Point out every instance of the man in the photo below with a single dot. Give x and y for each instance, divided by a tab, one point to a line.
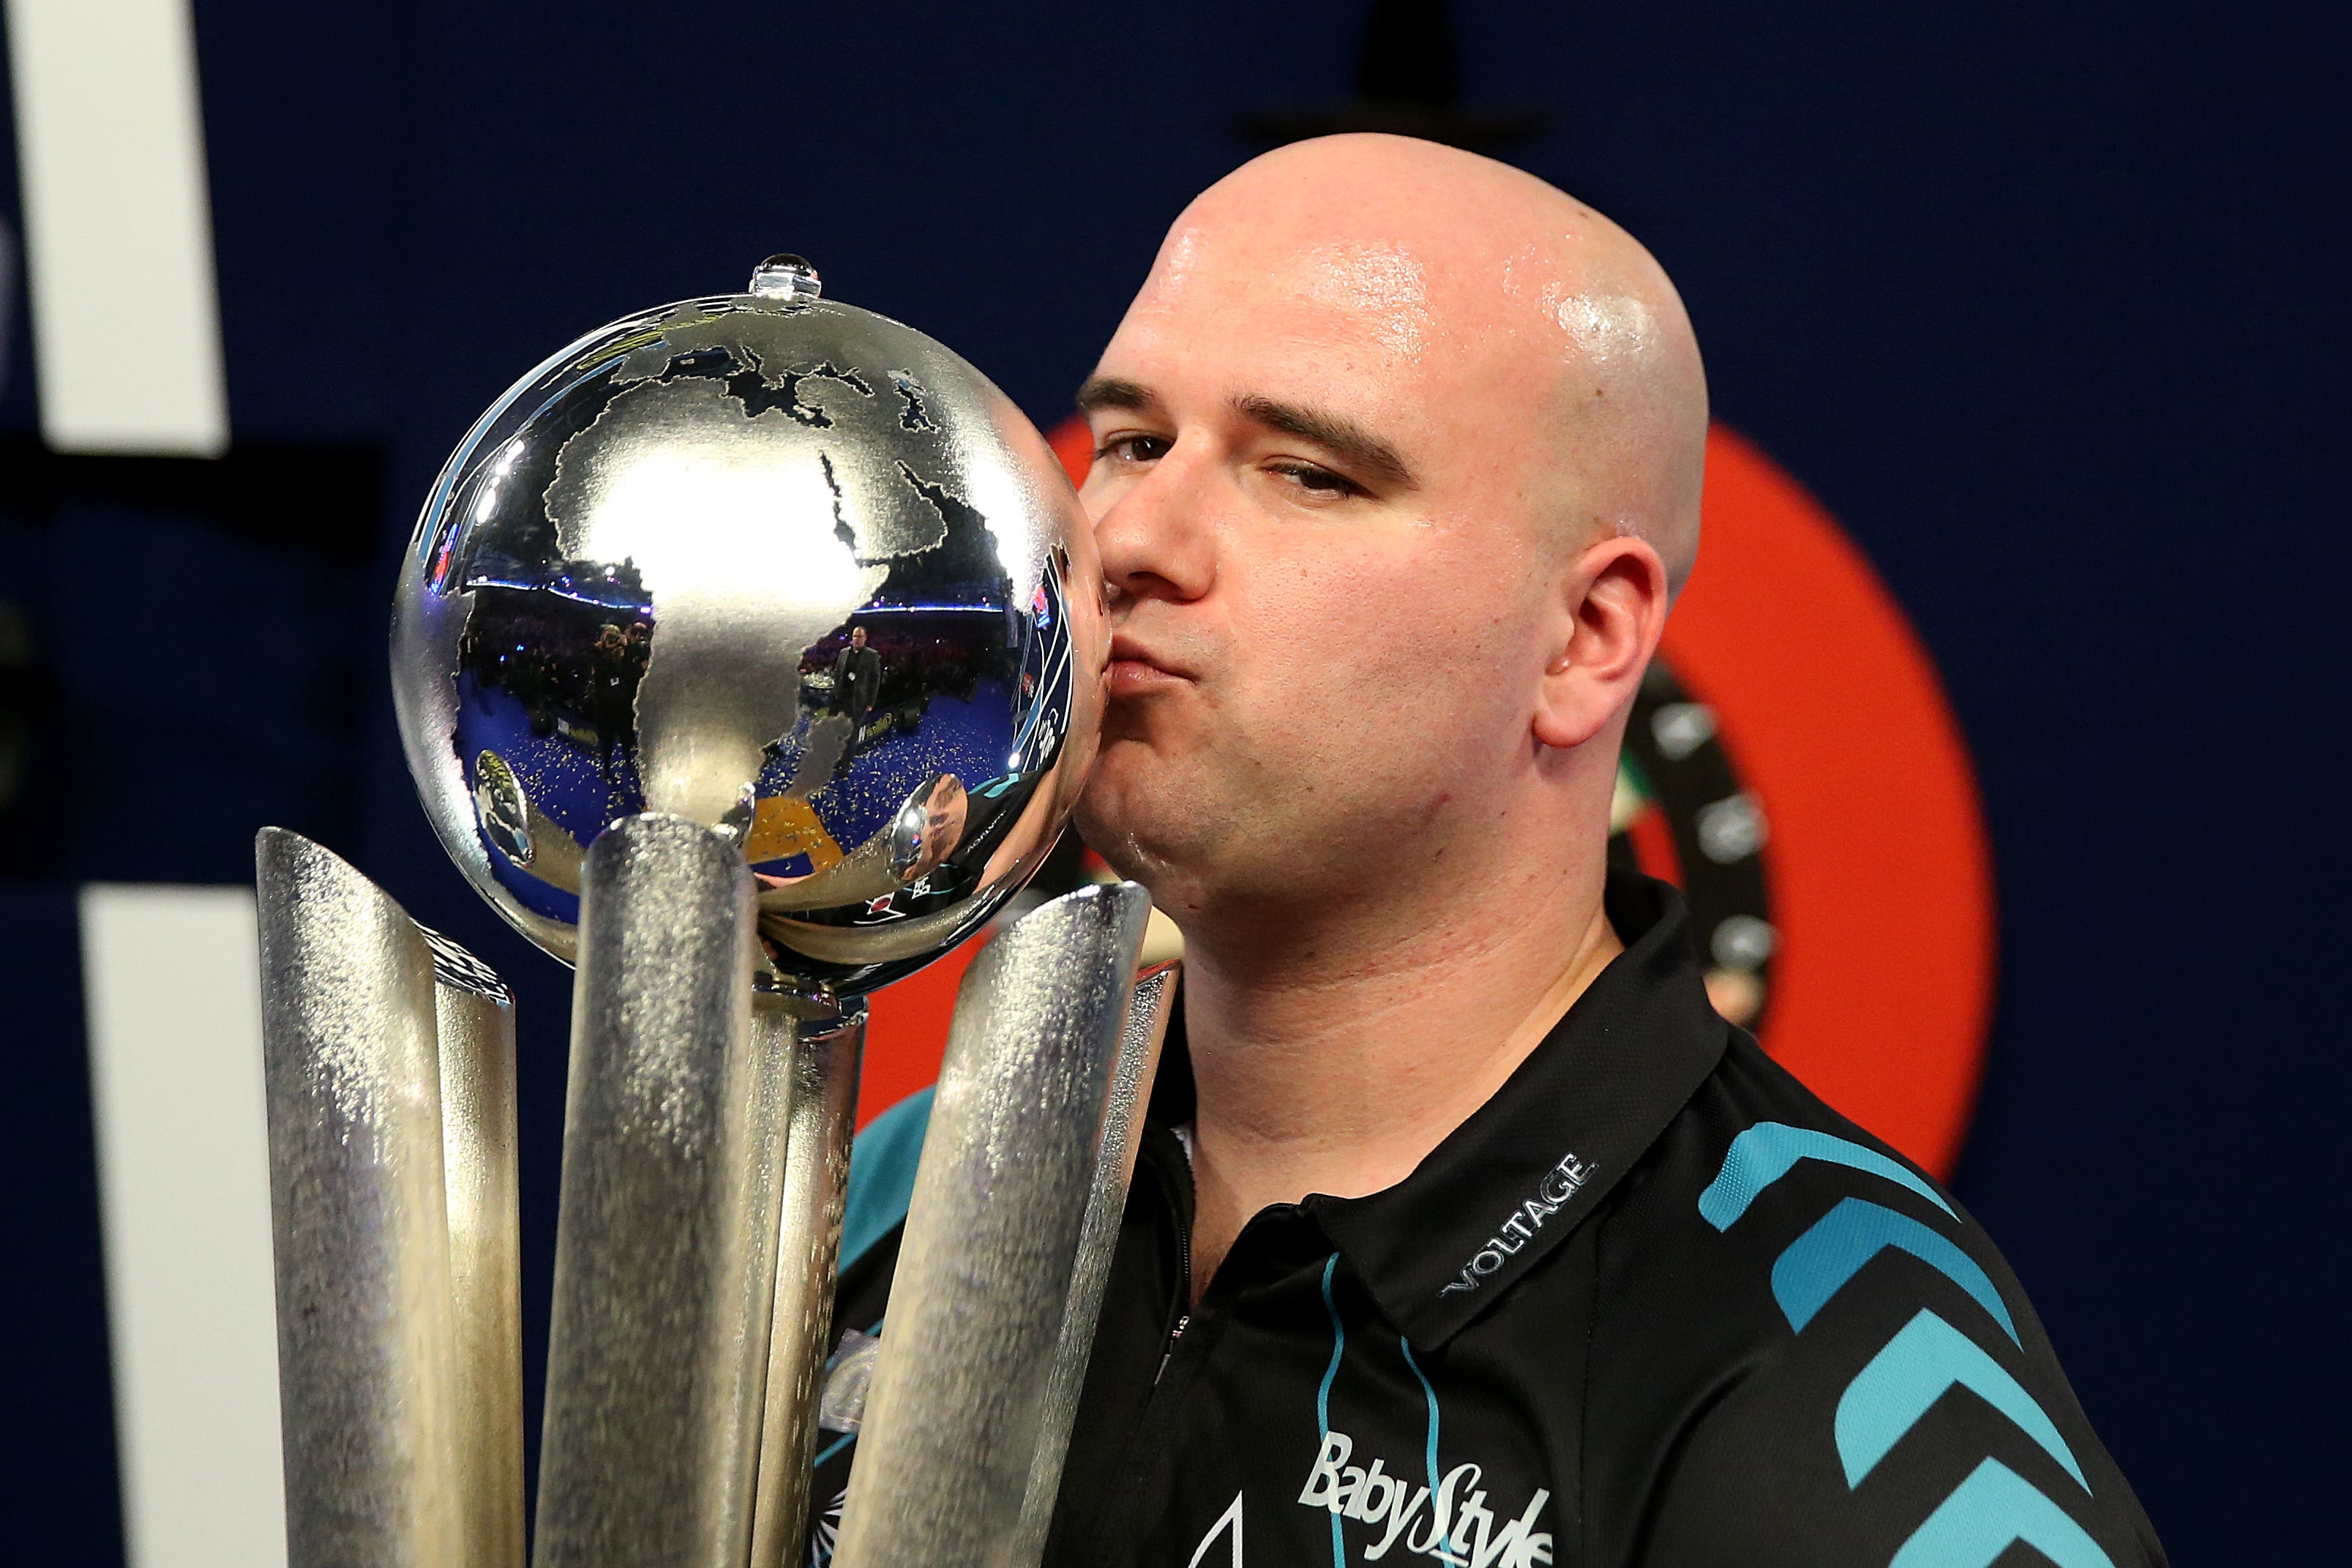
857	678
613	696
1465	1231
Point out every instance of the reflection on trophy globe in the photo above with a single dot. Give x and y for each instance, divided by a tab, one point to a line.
777	565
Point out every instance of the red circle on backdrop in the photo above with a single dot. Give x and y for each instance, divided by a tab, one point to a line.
1877	869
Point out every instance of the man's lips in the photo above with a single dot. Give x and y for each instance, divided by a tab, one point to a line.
1135	670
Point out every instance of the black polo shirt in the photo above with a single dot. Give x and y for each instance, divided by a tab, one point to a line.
1653	1303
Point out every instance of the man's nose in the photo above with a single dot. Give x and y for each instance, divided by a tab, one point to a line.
1156	539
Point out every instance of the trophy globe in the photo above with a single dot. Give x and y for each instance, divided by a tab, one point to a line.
777	565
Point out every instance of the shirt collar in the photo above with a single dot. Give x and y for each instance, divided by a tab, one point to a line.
1507	1186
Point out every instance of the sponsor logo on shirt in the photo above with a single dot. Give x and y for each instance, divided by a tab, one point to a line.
1452	1525
1558	1185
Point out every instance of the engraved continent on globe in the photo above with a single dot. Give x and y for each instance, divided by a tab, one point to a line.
774	564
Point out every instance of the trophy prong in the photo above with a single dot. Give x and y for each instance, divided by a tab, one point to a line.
366	1333
824	1061
475	1015
665	1235
958	1416
1140	1037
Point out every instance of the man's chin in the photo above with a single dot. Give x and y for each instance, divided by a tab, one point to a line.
1132	825
1154	818
1108	834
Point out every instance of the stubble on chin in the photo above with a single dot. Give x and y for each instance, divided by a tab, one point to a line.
1132	817
1106	818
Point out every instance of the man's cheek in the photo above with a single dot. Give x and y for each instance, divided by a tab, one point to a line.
1128	766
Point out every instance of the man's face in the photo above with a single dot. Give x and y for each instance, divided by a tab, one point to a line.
1315	496
857	637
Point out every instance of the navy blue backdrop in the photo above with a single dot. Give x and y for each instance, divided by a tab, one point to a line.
2040	303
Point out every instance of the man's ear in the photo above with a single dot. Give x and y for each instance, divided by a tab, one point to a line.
1613	608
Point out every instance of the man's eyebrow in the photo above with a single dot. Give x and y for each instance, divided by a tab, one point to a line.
1345	439
1109	392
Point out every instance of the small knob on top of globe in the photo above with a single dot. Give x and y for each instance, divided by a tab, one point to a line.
786	276
778	565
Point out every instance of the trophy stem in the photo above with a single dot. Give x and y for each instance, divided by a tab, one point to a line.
665	1235
366	1338
477	1039
957	1419
824	1058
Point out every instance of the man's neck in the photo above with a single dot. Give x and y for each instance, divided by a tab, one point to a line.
1336	1064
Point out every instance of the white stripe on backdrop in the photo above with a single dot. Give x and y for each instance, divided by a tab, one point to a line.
118	226
171	978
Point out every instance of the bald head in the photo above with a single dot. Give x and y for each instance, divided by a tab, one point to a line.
1397	465
1464	281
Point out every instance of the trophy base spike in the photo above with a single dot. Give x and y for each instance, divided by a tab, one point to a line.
963	1409
664	1232
389	1066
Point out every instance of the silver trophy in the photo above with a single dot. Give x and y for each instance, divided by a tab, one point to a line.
747	656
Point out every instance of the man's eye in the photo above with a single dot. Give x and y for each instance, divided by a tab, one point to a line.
1133	448
1317	481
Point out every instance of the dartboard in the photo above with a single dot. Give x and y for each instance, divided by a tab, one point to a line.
1682	813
